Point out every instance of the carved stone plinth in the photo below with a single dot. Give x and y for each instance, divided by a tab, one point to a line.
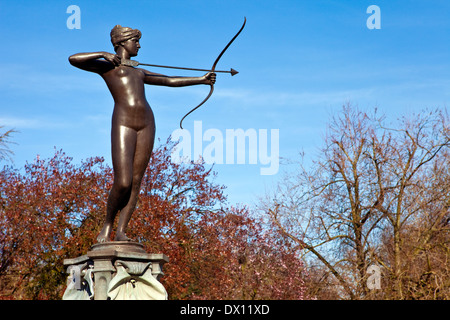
118	270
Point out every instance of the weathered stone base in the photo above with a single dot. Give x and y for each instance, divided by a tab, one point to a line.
118	270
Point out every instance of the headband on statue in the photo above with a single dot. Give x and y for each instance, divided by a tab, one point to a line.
120	34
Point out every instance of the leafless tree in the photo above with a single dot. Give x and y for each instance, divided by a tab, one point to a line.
358	202
5	151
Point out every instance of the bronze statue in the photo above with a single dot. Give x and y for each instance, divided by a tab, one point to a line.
133	124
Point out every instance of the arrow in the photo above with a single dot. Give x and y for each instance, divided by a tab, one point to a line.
134	63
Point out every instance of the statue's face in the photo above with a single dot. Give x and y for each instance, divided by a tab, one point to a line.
132	46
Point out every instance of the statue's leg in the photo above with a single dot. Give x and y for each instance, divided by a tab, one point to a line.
123	144
144	147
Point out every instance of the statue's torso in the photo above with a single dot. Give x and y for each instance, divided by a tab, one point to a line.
131	108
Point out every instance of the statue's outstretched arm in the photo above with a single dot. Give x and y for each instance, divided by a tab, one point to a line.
163	80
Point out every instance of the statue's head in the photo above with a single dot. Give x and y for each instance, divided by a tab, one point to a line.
127	38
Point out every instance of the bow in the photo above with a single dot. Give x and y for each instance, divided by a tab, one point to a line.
212	70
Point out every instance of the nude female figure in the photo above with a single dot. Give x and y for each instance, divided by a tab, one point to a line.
133	124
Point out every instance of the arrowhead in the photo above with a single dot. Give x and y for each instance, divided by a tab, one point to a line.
233	72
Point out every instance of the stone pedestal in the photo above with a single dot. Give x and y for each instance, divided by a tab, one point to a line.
118	270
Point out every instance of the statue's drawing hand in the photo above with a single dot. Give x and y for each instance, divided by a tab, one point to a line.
210	77
113	58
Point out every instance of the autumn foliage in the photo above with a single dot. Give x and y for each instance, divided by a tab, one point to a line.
53	209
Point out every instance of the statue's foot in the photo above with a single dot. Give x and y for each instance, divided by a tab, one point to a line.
104	235
102	239
120	236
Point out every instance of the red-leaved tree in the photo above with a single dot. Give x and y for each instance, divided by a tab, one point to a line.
54	209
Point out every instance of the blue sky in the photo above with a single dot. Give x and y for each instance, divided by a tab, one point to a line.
299	62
